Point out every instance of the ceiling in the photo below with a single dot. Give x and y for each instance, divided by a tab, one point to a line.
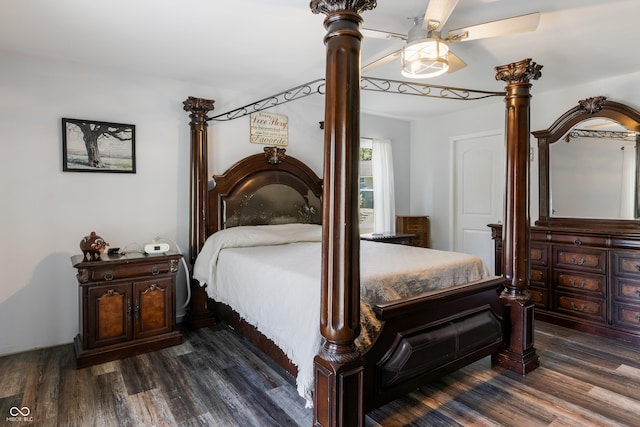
260	47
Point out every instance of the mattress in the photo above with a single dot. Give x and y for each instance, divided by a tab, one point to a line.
270	275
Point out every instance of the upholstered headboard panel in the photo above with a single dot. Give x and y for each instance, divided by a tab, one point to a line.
265	189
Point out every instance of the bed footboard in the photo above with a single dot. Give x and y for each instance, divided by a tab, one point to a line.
428	336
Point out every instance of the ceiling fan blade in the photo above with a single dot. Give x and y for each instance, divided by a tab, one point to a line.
438	11
455	63
502	27
379	34
381	61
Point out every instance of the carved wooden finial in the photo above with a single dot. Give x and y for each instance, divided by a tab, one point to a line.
591	105
274	155
519	72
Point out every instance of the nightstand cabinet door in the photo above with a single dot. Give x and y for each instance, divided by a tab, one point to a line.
153	307
109	319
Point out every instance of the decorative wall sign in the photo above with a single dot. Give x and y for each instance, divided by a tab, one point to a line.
91	146
269	128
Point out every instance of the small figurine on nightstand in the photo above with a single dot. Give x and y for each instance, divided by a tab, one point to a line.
92	246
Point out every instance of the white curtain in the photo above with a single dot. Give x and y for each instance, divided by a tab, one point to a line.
384	204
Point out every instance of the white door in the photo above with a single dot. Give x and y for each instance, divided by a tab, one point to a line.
478	183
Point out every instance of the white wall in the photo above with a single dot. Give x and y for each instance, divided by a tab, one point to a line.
430	140
45	211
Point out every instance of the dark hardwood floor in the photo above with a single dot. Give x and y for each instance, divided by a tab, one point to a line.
216	379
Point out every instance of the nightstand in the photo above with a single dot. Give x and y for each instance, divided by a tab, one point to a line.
415	224
401	238
127	306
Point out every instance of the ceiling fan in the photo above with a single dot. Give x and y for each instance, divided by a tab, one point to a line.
426	53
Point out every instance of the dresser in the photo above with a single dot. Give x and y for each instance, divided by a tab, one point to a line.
584	279
127	306
418	225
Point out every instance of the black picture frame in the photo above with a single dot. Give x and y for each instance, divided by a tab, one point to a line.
95	146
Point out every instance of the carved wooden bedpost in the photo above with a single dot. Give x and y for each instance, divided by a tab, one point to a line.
338	367
198	315
520	356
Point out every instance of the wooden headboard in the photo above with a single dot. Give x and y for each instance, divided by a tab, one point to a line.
269	188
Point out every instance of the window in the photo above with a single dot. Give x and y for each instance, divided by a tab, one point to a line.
366	186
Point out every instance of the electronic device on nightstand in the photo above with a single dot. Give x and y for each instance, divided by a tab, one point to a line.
156	248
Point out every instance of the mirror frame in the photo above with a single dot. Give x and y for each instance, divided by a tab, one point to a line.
590	108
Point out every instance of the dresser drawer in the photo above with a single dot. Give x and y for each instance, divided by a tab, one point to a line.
626	264
538	277
578	306
626	290
627	316
583	259
539	297
539	255
580	282
577	241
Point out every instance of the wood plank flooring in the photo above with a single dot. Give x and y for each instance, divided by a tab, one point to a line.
215	378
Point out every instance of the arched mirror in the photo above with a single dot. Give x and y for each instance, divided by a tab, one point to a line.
589	167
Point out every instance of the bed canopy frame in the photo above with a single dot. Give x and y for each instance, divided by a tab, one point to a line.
338	396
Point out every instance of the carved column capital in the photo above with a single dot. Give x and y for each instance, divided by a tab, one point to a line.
198	107
519	72
329	7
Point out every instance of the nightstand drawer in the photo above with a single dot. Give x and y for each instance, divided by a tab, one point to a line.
125	268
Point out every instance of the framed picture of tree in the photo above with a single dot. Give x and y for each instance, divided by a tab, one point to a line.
92	146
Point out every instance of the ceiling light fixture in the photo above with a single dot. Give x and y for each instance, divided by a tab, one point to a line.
425	58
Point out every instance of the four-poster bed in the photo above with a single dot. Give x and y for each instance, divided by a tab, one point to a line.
422	336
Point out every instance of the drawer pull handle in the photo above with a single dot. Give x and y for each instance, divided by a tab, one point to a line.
637	318
638	267
577	242
638	292
155	270
576	308
575	262
108	275
581	285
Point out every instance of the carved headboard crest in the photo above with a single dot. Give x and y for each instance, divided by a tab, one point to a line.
591	105
274	155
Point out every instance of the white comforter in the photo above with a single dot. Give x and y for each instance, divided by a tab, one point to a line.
259	270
